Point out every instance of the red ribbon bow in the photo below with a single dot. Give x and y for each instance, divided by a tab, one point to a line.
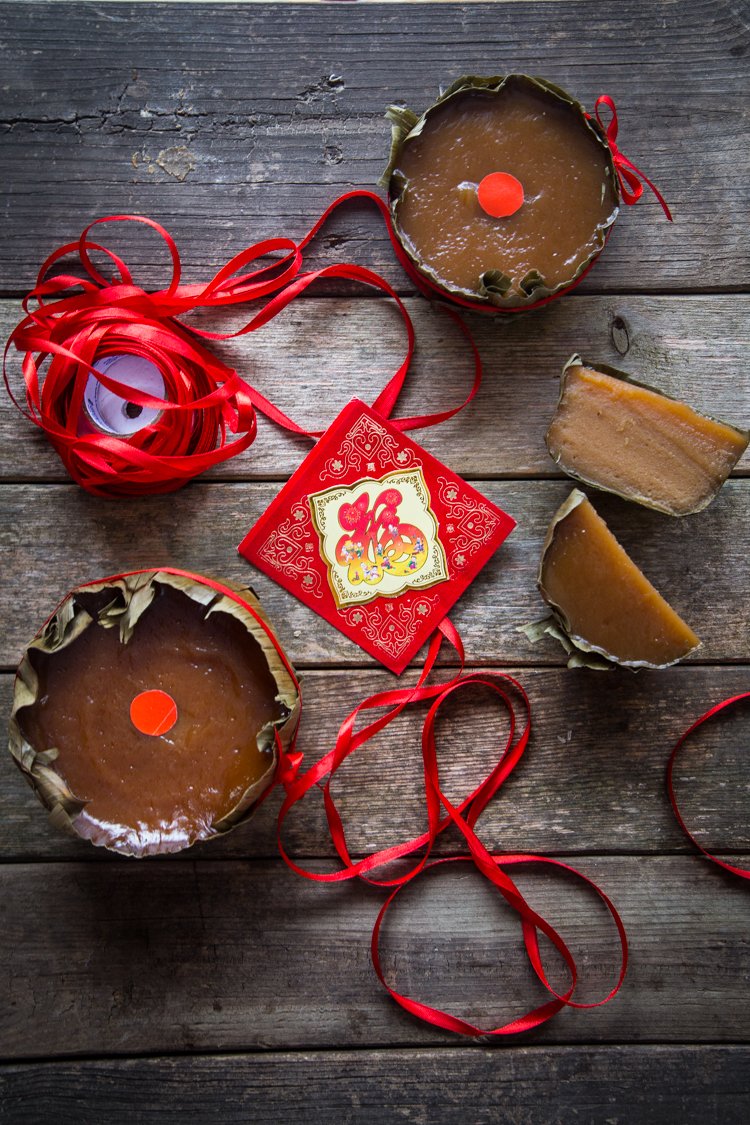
625	168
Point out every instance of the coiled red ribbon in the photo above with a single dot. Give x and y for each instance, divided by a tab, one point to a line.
670	788
204	399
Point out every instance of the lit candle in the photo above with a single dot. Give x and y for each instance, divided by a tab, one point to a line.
162	710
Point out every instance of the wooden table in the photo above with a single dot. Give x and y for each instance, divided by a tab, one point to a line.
217	985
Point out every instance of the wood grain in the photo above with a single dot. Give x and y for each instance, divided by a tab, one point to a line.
161	957
280	109
233	122
706	1085
592	779
55	537
318	354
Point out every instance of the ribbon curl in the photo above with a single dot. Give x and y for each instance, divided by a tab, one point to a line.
204	399
626	170
742	872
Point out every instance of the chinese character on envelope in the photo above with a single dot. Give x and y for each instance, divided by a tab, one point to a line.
376	535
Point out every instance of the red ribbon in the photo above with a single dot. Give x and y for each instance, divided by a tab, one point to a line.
204	398
464	816
626	170
491	866
670	788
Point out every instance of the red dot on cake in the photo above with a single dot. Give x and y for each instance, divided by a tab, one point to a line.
153	712
500	194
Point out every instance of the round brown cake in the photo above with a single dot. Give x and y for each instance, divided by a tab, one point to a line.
536	136
146	711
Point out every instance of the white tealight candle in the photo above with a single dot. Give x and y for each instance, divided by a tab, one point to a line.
107	412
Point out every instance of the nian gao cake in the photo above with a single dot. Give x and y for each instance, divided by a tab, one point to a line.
625	437
146	711
503	192
601	602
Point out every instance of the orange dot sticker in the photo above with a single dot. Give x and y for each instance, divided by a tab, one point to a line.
153	712
500	194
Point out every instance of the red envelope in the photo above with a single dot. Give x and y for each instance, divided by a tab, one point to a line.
376	535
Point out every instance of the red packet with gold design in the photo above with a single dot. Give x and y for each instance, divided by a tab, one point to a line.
376	535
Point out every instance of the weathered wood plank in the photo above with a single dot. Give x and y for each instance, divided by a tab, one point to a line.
56	536
170	957
279	108
592	779
320	353
707	1085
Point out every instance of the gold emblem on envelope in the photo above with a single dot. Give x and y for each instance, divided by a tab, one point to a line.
379	537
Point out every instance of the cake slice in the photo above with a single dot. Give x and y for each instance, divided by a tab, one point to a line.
626	438
600	599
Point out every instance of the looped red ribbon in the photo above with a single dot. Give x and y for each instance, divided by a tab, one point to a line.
440	814
670	788
204	399
626	170
491	866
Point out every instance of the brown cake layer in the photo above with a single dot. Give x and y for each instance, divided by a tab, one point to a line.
568	194
640	444
155	792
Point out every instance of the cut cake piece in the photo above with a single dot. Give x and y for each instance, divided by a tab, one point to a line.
600	599
624	437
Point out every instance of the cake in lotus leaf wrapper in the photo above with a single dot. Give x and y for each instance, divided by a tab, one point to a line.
146	711
604	611
503	192
623	436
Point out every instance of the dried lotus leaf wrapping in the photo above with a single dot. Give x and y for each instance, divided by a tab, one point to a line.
492	285
133	595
